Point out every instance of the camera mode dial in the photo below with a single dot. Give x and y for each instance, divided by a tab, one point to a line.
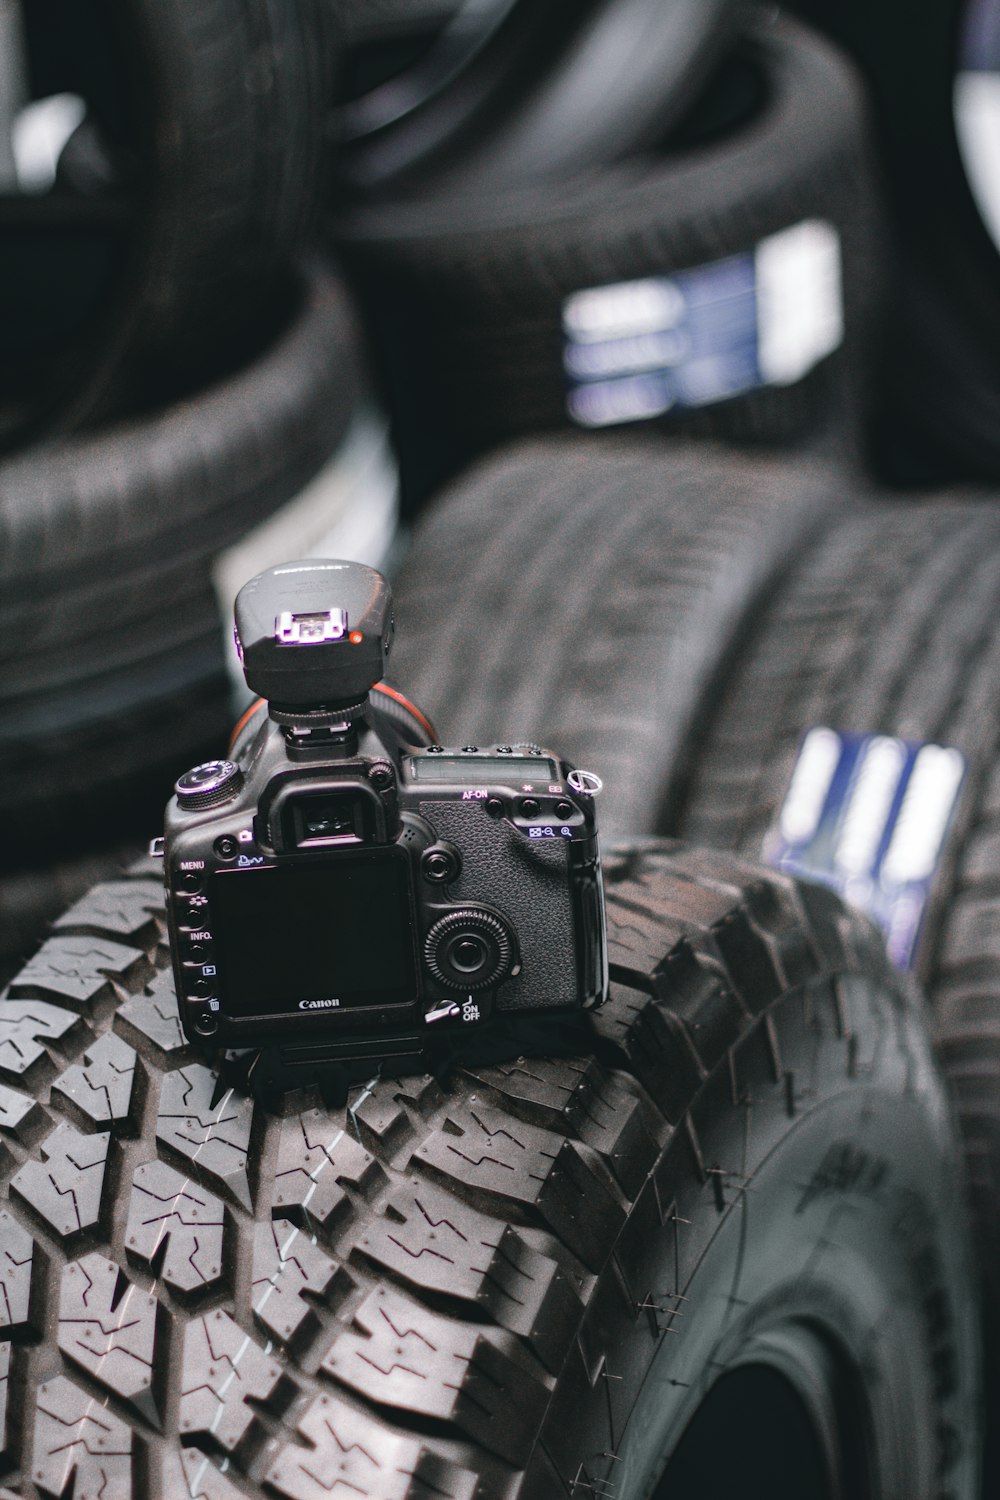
209	784
470	949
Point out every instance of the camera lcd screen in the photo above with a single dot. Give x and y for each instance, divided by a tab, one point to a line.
463	770
314	938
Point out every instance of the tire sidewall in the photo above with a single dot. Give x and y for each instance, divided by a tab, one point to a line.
838	1249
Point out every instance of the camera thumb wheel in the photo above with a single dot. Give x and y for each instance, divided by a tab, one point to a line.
470	949
725	282
740	1195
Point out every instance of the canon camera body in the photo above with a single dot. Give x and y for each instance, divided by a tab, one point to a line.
341	886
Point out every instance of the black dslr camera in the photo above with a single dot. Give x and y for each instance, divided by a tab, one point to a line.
342	888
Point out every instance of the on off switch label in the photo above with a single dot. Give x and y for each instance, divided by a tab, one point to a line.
869	815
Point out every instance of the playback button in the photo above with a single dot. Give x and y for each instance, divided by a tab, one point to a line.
200	981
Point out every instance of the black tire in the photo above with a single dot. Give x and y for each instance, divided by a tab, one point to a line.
586	592
522	92
240	91
520	1282
889	624
362	22
32	897
111	665
465	291
939	393
217	114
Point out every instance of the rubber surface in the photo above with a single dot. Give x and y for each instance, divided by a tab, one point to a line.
465	290
582	592
240	90
623	77
463	1287
889	624
362	21
517	90
939	392
216	113
32	897
111	662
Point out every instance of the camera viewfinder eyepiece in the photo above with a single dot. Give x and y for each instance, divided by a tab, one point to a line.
314	634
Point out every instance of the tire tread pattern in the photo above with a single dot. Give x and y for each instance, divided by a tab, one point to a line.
888	624
390	1317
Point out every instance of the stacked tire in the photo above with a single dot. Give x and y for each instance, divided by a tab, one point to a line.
208	126
932	80
218	378
721	280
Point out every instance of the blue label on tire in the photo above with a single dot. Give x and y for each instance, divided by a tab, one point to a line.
632	350
869	816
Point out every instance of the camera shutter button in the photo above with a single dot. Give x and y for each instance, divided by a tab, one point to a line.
469	949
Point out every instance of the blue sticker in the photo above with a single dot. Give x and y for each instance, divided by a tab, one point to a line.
868	815
633	350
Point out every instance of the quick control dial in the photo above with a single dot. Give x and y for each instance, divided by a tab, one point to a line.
470	949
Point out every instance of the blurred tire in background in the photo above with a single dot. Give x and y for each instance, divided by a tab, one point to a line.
934	76
585	592
888	624
145	248
723	281
512	88
120	552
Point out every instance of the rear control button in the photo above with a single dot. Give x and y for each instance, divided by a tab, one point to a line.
530	808
189	881
564	810
440	864
226	846
468	954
